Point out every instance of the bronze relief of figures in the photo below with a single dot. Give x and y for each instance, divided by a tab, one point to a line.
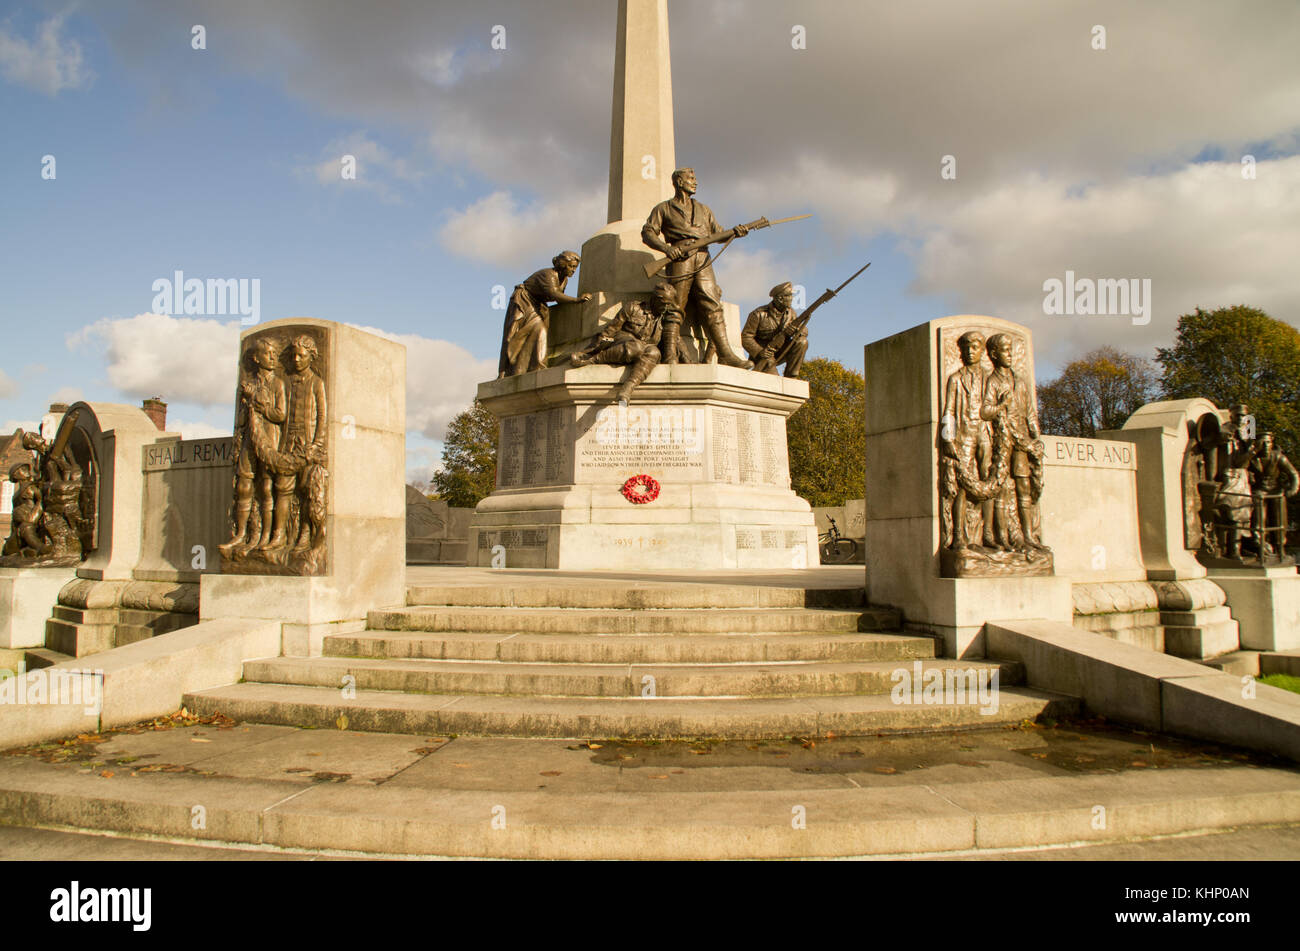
524	338
1241	483
990	463
282	444
53	517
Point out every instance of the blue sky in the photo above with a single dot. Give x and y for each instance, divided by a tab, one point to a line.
475	166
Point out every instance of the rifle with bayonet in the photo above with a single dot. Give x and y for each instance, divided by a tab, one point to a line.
781	345
697	244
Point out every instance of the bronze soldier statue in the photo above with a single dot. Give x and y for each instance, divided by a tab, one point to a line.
1009	404
772	332
303	454
26	540
634	338
523	341
672	224
966	456
259	411
1274	475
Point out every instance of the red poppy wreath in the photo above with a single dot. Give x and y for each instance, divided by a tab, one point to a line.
640	489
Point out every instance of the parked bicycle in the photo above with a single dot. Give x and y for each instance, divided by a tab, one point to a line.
835	549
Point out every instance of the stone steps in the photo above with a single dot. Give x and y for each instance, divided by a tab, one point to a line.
629	648
677	621
633	595
737	680
662	717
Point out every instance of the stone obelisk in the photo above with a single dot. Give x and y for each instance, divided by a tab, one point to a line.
641	156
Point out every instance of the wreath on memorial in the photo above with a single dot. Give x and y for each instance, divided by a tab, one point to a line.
640	489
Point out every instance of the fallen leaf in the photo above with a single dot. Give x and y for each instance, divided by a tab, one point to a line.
298	769
809	744
199	739
1137	762
107	774
549	772
594	746
885	769
660	776
342	721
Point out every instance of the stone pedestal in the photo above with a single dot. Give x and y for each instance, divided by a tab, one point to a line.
365	566
712	437
1266	604
905	380
27	595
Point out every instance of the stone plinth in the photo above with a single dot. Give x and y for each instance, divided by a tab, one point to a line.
27	596
365	566
1090	510
1265	603
118	433
905	382
185	507
1160	432
712	437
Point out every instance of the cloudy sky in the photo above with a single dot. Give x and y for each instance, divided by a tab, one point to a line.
475	165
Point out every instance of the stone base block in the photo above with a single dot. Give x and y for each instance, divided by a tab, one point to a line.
1205	632
709	443
1266	604
307	640
959	608
27	596
1141	628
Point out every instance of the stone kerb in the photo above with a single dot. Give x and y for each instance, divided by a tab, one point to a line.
365	504
904	393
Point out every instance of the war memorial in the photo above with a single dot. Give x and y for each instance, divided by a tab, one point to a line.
643	571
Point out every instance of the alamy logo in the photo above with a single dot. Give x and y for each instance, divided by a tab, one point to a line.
1122	297
75	903
652	426
215	297
946	685
58	686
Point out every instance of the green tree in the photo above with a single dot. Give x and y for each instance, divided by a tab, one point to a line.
469	459
1098	391
828	435
1238	355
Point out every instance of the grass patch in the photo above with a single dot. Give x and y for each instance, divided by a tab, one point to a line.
1285	681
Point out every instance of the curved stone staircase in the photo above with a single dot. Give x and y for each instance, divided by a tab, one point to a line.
643	659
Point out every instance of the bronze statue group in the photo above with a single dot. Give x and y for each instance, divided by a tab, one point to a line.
644	334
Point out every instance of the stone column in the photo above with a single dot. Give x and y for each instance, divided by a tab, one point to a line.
363	565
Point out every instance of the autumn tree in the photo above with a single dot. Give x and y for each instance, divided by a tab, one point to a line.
1238	355
469	459
828	435
1098	391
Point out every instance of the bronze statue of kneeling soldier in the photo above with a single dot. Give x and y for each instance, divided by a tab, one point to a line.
634	338
773	336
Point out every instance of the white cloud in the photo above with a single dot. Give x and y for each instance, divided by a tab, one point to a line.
377	169
194	360
441	380
181	359
48	63
196	429
498	230
67	394
421	463
747	275
26	425
8	386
